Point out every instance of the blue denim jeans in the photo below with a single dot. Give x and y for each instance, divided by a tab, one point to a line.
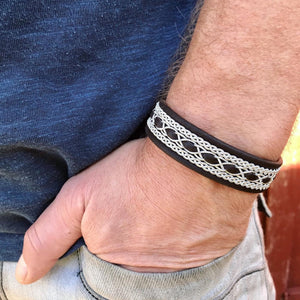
241	274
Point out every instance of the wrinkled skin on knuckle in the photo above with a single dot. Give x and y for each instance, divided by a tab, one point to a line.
33	239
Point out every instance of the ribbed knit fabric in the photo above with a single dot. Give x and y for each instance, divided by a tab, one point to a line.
77	80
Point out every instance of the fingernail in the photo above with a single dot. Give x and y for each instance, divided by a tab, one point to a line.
21	270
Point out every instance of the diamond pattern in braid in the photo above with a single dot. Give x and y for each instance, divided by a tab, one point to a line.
207	156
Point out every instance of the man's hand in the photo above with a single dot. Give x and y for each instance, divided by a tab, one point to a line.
141	209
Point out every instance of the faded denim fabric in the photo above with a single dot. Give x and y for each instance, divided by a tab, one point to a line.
77	79
242	274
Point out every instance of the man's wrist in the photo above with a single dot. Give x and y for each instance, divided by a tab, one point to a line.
190	188
237	82
243	118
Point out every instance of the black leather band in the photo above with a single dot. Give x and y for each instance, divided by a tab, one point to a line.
207	155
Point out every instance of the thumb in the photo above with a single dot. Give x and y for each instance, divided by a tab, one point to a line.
55	231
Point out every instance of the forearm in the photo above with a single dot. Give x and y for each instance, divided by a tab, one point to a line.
240	78
238	82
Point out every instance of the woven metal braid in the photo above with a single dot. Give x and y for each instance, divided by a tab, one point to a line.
220	163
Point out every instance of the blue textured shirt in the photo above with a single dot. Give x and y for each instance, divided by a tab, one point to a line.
77	79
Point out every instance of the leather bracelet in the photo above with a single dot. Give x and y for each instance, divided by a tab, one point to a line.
207	155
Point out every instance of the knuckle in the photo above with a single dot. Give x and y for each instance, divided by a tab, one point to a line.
73	193
33	239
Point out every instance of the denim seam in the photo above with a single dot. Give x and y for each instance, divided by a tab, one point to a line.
1	282
261	268
263	254
84	283
227	293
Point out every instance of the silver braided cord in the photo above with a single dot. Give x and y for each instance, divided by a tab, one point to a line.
262	176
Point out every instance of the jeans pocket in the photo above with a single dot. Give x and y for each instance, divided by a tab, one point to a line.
240	274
